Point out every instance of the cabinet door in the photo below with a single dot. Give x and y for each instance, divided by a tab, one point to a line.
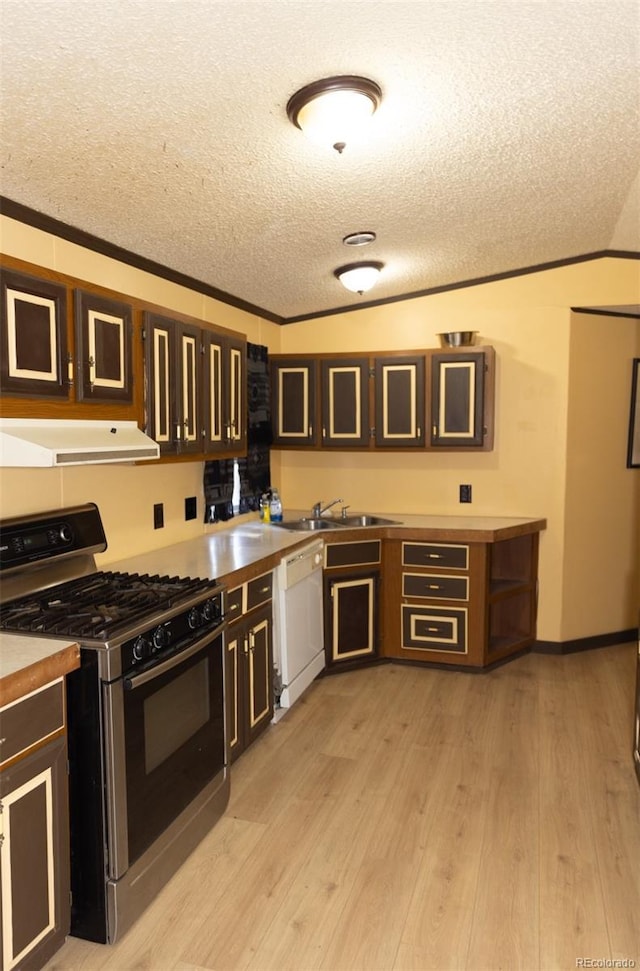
188	388
235	689
214	392
400	402
345	403
293	401
173	363
458	399
249	679
351	618
34	359
34	857
259	655
236	366
103	348
224	393
161	381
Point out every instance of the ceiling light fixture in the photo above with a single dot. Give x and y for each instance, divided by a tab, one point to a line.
359	239
335	109
358	277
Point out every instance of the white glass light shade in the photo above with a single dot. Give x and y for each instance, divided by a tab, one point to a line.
336	117
335	110
359	277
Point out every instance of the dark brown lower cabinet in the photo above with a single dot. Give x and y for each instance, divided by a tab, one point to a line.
467	604
34	857
249	678
351	618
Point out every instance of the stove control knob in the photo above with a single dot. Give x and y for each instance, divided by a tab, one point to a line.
141	649
65	534
161	637
194	618
211	610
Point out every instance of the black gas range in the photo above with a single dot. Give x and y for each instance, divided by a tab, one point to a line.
146	710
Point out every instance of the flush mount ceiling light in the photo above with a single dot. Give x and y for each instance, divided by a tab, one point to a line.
359	239
358	277
334	110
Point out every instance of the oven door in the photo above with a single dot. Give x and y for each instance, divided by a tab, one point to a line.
165	742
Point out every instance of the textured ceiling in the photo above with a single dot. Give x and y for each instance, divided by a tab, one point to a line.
508	136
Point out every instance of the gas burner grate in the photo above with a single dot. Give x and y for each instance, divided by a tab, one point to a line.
97	605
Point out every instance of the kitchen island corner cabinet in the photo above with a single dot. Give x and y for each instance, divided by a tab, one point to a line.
460	600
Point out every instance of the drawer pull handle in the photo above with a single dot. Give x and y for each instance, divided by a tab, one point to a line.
433	586
433	630
264	590
434	556
234	607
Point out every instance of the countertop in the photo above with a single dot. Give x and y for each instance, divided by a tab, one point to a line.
28	663
232	551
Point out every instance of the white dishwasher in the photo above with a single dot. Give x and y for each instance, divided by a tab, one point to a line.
298	625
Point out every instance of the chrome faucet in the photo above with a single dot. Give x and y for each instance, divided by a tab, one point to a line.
319	509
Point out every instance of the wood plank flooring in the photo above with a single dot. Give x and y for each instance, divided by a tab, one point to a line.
406	819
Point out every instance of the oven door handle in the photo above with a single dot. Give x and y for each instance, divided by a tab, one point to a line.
171	662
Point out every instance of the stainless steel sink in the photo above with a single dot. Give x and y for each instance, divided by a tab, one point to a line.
309	525
351	522
365	521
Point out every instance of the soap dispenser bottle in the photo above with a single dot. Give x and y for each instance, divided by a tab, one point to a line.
275	507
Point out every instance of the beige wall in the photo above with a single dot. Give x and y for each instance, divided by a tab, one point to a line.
602	500
539	435
546	461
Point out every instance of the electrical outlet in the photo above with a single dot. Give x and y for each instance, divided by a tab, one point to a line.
190	508
465	493
158	515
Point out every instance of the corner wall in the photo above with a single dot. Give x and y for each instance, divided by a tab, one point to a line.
529	322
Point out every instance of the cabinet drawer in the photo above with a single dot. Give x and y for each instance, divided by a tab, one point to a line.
453	556
431	586
31	720
234	604
259	591
352	554
434	629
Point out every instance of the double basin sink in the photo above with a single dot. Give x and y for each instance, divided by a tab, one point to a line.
314	524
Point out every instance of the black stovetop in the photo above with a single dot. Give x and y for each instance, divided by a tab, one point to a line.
98	605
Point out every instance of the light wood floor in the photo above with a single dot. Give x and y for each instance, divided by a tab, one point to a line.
408	818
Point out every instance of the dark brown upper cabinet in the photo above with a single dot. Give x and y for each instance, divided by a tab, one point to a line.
33	330
103	348
224	392
400	401
174	380
293	401
462	393
345	402
424	399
